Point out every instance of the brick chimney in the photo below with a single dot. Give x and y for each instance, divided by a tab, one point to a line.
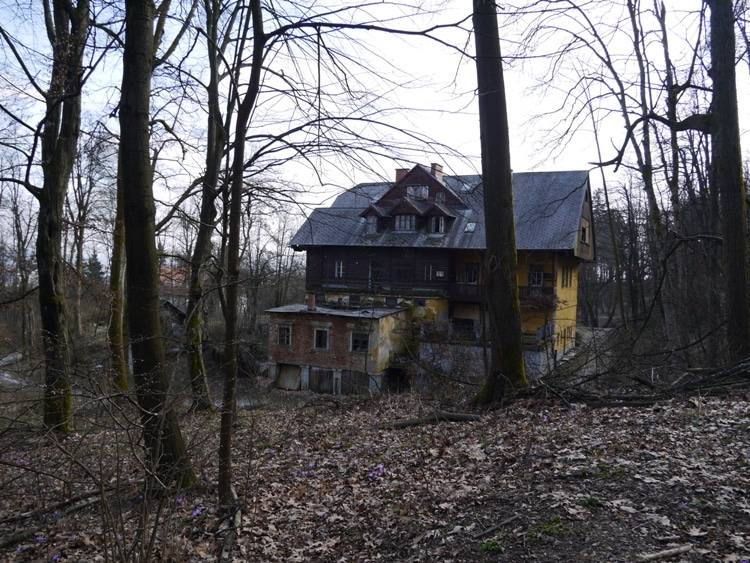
310	301
437	170
401	174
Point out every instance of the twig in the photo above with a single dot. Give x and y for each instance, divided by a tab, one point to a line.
495	528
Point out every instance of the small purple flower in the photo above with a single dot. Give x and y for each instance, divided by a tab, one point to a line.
197	512
682	506
119	537
55	557
19	548
179	500
39	537
55	514
72	537
377	472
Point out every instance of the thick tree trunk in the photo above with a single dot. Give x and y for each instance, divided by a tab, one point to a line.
162	434
67	30
506	371
58	402
727	157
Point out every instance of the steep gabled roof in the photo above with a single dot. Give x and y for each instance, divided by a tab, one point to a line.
547	209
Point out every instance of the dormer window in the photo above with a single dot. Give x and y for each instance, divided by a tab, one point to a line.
406	223
440	197
371	224
417	192
437	224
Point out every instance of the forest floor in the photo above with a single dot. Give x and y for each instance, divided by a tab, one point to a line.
323	479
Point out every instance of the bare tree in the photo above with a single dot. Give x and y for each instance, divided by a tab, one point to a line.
506	370
162	433
728	174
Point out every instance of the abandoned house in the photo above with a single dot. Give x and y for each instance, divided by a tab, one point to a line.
387	257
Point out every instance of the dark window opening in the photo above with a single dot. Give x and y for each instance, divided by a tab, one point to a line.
321	339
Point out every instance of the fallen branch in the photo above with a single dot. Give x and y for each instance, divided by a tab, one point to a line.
495	528
666	553
437	416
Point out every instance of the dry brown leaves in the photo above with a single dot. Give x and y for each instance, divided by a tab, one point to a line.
534	482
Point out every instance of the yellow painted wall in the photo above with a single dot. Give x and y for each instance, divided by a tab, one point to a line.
388	340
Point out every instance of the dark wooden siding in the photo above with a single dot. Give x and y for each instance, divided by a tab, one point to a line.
379	270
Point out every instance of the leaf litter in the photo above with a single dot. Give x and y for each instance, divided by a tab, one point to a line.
322	481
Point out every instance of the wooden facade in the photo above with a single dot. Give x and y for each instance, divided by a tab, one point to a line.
414	250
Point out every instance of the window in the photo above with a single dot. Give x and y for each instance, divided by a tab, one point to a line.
470	227
374	273
440	197
536	275
472	272
371	224
431	272
406	222
338	269
360	342
567	276
417	192
585	233
437	224
321	339
285	336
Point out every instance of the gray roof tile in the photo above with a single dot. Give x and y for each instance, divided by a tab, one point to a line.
547	208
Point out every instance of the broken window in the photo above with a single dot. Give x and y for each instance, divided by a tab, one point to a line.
285	336
321	339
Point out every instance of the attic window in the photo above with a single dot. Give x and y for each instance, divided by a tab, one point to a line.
585	234
371	224
417	192
470	227
406	222
437	224
440	197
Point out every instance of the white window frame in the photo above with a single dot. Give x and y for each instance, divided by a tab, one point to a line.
339	269
437	224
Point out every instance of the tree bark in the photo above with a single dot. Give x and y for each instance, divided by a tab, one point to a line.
506	370
116	329
727	157
162	434
67	31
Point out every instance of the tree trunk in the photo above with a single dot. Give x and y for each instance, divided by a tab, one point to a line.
67	30
229	399
216	140
506	371
727	157
162	434
116	329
